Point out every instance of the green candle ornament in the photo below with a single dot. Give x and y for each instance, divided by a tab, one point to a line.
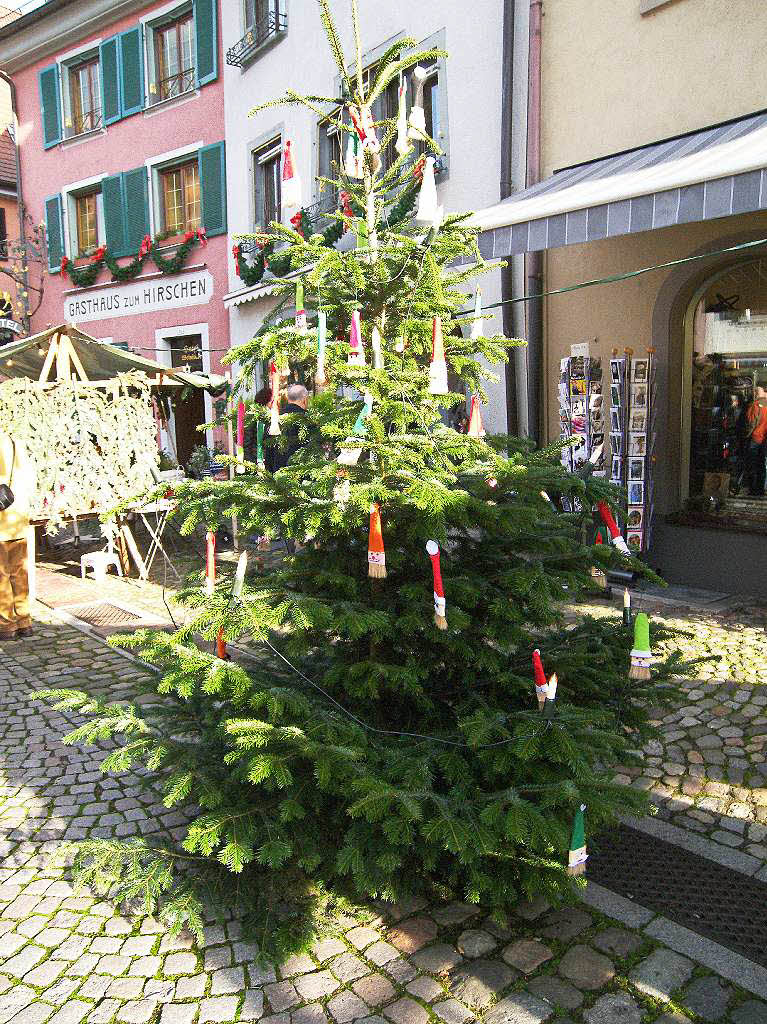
641	655
260	428
577	857
320	377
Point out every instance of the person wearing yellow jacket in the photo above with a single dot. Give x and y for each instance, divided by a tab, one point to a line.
17	472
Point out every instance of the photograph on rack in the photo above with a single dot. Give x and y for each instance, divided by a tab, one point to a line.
639	395
638	421
636	469
616	370
635	517
634	540
636	492
615	472
615	395
615	420
637	444
616	444
639	371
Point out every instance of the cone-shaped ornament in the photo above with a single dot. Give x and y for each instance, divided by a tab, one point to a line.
438	367
476	323
440	621
417	120
612	526
260	430
539	676
274	420
597	574
376	553
320	376
403	144
300	311
429	213
241	436
291	183
239	576
641	655
210	563
356	351
577	857
476	428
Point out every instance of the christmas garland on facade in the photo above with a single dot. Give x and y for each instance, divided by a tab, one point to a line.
279	265
85	276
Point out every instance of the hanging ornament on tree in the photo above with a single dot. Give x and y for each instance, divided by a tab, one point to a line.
541	686
376	553
274	420
476	323
291	183
615	533
300	311
353	159
429	213
342	487
403	144
476	427
438	384
551	695
362	119
356	351
626	608
210	563
239	576
440	621
260	428
417	120
597	574
221	646
641	655
577	857
240	436
351	456
320	377
399	345
375	343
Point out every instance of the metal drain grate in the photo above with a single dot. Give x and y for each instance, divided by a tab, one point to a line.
105	614
693	891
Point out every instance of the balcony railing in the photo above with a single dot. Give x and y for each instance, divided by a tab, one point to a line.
80	124
173	85
264	31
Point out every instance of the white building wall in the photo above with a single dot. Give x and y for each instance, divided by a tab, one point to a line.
302	61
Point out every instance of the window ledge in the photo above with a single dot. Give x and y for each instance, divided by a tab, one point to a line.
648	6
76	140
174	101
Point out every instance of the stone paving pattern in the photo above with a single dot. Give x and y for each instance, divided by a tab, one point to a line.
66	957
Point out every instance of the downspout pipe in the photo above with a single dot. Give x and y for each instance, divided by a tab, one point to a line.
19	191
507	187
534	260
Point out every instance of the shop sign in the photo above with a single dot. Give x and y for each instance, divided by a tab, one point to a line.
10	325
142	296
581	349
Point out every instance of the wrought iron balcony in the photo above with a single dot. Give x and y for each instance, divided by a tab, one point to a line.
268	29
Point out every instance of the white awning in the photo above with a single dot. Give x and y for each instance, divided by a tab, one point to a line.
717	172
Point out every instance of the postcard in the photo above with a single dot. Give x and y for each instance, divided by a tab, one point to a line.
636	469
638	421
636	492
635	517
639	371
616	444
634	540
637	444
639	395
616	370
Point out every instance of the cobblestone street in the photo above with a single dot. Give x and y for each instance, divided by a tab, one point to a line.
66	957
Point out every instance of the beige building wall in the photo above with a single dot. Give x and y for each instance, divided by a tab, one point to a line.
614	78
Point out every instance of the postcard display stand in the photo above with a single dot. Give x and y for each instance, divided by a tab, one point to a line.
632	440
581	413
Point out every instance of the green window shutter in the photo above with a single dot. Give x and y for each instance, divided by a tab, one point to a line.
212	164
110	80
131	71
114	214
50	105
206	40
136	200
54	233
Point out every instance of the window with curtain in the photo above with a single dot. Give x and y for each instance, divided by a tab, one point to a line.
260	16
87	223
267	178
174	57
84	97
180	187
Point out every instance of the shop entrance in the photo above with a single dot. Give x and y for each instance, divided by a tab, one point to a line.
728	394
188	402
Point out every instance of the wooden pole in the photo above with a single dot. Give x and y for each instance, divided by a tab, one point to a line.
31	569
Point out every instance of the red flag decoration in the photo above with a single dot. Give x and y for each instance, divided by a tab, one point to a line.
274	380
376	553
476	427
210	563
356	351
221	646
615	533
240	436
438	366
439	594
541	686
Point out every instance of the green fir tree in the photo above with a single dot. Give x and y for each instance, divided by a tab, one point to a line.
358	750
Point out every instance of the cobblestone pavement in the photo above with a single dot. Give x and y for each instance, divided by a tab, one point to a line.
66	957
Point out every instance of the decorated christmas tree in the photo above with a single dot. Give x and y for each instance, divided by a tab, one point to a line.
373	731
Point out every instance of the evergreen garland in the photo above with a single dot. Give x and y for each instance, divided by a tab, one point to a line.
85	276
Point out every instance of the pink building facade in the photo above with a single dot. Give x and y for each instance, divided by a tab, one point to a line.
120	111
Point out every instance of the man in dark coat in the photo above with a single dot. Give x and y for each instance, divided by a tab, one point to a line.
298	399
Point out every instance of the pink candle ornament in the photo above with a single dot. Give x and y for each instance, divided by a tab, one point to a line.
210	563
240	436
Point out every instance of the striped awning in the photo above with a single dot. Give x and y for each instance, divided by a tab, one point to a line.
716	172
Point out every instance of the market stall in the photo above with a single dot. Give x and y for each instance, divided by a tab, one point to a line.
84	411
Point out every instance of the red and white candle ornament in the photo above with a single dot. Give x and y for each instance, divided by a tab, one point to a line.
440	621
476	427
376	553
539	676
438	367
356	351
290	196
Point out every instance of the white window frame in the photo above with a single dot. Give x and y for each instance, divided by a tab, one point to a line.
154	165
163	340
64	63
69	211
273	146
149	24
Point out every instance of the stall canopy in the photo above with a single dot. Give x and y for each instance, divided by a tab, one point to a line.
99	361
716	172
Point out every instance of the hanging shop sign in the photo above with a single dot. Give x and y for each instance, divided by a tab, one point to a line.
141	296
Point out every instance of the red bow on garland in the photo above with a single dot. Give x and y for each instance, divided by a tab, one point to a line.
146	245
202	237
418	167
98	255
346	204
236	250
64	262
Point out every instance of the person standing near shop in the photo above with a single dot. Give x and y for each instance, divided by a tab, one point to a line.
756	442
17	473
